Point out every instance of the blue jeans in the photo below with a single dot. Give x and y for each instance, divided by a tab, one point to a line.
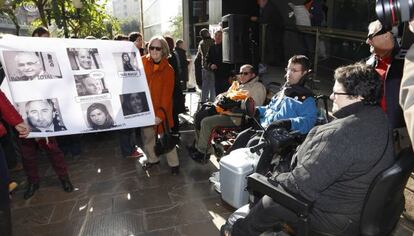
208	88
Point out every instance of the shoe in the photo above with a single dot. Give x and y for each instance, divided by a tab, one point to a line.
18	167
225	230
191	149
135	154
200	157
30	191
66	185
12	186
149	165
193	89
175	170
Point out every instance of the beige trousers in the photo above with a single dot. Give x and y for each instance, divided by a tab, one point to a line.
148	138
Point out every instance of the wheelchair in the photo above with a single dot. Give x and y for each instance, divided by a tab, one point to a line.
222	138
382	208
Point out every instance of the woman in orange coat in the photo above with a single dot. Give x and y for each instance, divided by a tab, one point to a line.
160	77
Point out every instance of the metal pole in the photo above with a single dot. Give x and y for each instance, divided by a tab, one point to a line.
142	18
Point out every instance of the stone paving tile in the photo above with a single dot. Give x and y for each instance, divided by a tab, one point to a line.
175	215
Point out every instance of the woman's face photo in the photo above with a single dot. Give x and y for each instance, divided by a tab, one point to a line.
136	103
98	117
125	57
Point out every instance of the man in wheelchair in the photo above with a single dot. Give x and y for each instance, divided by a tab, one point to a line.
226	110
293	107
336	163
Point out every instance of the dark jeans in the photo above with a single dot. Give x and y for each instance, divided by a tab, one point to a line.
30	148
267	214
5	218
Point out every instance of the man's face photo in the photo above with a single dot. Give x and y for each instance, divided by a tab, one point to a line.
40	113
85	59
28	64
93	85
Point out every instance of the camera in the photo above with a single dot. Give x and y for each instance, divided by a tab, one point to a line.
392	12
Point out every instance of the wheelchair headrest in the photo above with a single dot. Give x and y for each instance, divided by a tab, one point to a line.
308	77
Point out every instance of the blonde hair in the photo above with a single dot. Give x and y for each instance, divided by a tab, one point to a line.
165	50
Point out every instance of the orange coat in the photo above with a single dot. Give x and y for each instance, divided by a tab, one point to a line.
160	78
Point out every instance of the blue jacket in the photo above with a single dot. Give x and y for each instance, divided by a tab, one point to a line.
302	114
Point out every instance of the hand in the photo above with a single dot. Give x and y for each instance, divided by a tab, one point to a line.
284	124
213	67
254	18
158	120
23	130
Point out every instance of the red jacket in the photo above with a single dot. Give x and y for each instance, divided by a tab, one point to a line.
160	78
8	113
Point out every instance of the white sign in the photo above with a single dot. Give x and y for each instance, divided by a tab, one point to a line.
68	86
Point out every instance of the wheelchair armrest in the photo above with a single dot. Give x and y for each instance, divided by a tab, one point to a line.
259	183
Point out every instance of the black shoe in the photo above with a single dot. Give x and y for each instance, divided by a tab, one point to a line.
66	185
200	157
149	165
30	191
175	170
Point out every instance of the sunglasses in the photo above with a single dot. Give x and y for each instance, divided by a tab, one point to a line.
338	93
244	73
155	48
381	32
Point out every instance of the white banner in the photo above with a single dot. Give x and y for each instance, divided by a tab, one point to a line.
69	86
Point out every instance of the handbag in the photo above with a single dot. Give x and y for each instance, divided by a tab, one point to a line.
165	142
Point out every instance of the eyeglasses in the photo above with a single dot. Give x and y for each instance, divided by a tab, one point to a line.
292	70
155	48
381	32
339	93
244	73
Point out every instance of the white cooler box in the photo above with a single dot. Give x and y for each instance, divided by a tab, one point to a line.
234	169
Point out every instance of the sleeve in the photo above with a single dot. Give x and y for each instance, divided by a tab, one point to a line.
306	116
326	159
258	93
8	112
210	57
167	96
407	92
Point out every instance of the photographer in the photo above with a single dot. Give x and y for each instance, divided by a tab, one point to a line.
335	164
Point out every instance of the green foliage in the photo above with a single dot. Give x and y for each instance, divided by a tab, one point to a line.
176	27
90	20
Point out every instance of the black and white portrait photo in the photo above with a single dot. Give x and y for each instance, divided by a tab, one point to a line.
84	58
134	103
92	83
127	64
98	115
42	115
27	66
